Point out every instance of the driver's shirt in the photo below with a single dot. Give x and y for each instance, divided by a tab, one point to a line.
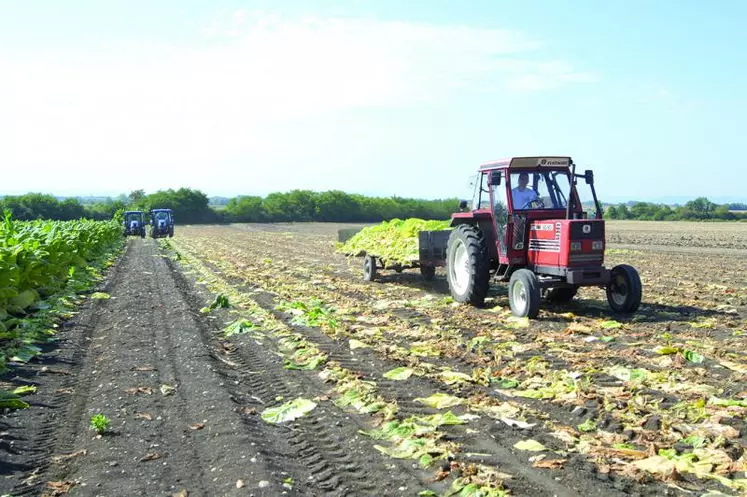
521	199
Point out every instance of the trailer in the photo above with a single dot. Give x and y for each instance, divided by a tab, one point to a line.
431	254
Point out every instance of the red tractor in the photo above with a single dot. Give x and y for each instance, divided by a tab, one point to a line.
528	227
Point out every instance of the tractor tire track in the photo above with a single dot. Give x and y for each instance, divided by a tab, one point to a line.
322	450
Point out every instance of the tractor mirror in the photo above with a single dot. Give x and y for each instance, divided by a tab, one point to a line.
462	205
589	176
495	178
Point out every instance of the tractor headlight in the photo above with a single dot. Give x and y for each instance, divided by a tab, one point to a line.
575	246
597	245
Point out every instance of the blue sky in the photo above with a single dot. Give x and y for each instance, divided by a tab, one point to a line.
384	97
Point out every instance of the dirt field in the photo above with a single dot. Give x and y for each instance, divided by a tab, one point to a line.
576	402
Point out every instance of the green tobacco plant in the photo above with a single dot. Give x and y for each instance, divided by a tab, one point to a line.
38	260
100	423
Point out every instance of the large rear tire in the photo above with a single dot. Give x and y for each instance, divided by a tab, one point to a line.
467	265
624	291
524	294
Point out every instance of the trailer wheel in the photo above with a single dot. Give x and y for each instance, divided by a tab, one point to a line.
561	295
624	289
428	272
369	268
467	267
524	293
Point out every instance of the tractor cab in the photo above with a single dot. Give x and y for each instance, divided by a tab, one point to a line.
134	224
161	223
533	224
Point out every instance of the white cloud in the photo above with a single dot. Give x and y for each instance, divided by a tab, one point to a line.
217	99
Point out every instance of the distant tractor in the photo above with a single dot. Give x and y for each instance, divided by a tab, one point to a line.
134	224
527	227
161	223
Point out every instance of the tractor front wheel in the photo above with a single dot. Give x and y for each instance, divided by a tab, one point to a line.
468	270
369	268
624	289
524	294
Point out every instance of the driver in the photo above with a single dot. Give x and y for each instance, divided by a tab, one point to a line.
522	195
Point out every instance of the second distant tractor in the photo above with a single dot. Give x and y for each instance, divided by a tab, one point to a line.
161	223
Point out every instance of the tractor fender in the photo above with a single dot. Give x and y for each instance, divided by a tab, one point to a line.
483	220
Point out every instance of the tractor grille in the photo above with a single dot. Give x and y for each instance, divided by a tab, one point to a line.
596	231
593	258
546	245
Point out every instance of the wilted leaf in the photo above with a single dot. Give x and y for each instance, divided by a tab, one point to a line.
289	411
587	426
152	456
549	463
657	465
60	487
530	445
197	426
452	377
447	418
167	389
440	400
727	402
401	373
734	366
67	457
666	350
692	356
100	296
518	424
578	328
136	390
517	322
357	344
23	390
424	349
610	325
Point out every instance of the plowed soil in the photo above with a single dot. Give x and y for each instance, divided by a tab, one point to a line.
598	391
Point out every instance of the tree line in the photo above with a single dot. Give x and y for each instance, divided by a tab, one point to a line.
193	206
700	209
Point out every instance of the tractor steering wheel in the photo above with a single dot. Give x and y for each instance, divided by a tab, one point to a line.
538	201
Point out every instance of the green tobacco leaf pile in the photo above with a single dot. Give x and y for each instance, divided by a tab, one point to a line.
395	241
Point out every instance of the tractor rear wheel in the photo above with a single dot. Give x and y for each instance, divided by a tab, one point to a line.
468	270
369	268
561	295
624	289
524	293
